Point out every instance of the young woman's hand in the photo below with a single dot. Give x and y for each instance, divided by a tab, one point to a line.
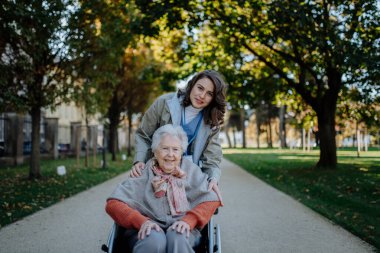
146	228
136	169
181	227
213	185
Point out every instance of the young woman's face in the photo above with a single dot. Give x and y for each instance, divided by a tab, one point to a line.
202	93
169	153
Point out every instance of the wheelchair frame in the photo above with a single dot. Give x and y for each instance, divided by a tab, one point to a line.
210	239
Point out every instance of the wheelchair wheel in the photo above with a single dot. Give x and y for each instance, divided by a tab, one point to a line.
214	241
210	240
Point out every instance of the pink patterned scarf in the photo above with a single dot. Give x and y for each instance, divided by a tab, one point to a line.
173	186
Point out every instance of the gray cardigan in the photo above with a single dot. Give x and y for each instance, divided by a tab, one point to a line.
138	193
207	152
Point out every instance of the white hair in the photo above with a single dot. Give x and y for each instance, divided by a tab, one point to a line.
171	130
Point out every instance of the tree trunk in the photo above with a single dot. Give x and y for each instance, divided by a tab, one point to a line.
78	143
94	144
326	126
258	132
234	136
226	128
270	140
282	131
358	138
317	142
104	159
129	132
114	119
113	139
303	134
88	138
34	170
355	139
242	122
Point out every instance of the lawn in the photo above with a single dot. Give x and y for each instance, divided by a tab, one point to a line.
21	197
348	195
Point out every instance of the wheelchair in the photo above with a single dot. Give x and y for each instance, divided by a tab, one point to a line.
209	243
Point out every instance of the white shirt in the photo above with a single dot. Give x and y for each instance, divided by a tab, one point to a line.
190	113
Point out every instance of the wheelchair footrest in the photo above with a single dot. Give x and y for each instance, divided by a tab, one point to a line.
104	248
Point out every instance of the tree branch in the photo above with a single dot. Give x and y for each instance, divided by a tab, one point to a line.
302	91
268	63
297	59
325	28
299	87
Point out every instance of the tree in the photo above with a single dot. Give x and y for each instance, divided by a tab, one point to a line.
359	109
109	44
85	96
316	47
32	62
139	83
247	78
96	40
100	33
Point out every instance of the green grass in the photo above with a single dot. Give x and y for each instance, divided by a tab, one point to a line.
21	197
348	195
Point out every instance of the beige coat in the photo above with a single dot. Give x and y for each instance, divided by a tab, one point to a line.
207	152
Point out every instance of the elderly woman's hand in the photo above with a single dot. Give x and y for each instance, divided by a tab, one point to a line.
146	228
181	227
136	169
213	185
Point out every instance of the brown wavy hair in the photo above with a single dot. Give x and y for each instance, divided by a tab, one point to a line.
214	113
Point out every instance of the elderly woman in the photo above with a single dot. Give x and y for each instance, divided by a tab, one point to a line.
164	209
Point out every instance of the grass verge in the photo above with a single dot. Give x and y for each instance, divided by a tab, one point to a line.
348	195
21	197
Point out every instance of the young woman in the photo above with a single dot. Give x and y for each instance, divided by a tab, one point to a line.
199	109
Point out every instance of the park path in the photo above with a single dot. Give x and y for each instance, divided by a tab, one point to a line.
255	218
259	218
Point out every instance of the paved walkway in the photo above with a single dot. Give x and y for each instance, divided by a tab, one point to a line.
256	218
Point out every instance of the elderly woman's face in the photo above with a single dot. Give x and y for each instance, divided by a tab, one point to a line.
168	153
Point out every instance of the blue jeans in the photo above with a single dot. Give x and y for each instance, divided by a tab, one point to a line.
163	242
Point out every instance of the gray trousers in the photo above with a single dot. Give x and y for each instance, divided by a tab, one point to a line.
164	242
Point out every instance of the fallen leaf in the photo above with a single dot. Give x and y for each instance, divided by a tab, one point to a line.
27	207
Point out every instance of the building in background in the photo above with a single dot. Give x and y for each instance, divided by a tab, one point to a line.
63	131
